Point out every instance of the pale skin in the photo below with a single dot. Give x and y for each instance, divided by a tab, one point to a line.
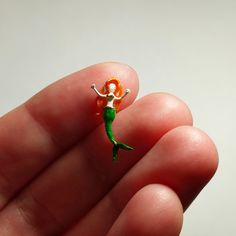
110	97
53	183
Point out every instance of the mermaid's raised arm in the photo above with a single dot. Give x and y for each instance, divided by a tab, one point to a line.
127	91
93	86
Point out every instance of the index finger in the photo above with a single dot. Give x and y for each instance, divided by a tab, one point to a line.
67	109
39	131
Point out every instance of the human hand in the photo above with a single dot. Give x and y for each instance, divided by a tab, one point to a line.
56	173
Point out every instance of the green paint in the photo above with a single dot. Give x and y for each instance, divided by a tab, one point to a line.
108	116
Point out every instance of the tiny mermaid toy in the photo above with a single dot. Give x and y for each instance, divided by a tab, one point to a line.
108	102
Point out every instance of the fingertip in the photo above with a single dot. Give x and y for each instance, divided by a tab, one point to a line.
172	102
153	210
198	151
191	156
126	74
101	72
163	112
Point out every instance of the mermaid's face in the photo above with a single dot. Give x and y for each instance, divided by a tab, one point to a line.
112	88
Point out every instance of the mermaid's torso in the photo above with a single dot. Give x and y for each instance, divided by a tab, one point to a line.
110	100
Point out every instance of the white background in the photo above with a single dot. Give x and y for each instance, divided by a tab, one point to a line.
187	48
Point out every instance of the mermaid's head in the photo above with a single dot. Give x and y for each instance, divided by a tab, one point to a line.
114	86
111	88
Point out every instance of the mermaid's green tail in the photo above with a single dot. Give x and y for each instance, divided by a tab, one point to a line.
108	116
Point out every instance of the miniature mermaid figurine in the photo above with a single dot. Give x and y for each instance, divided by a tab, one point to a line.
108	102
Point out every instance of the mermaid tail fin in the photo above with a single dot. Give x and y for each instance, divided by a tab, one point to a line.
124	146
118	146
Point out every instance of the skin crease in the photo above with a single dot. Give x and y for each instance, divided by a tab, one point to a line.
56	174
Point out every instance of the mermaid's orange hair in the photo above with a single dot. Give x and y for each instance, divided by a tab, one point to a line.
101	102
